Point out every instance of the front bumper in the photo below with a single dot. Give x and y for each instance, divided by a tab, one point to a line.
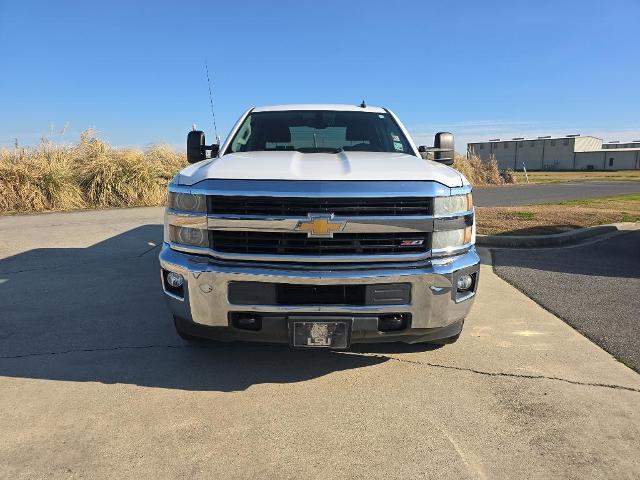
436	309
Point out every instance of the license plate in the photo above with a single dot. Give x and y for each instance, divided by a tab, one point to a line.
320	334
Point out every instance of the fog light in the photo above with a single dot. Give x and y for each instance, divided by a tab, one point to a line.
465	282
175	279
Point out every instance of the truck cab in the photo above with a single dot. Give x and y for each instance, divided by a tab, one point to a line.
319	226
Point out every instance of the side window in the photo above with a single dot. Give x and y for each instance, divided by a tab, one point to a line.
521	144
482	146
244	132
565	142
611	162
506	145
553	143
531	143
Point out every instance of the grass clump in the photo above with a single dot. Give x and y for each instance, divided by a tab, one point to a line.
578	176
524	215
89	174
482	173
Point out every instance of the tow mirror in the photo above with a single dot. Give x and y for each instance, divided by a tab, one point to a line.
443	149
196	147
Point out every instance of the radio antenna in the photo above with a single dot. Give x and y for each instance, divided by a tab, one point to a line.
213	114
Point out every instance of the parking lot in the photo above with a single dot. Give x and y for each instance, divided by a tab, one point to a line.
524	194
95	383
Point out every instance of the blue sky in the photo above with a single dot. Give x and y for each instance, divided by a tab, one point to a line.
134	71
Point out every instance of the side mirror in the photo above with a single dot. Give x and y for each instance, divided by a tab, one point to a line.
443	149
196	147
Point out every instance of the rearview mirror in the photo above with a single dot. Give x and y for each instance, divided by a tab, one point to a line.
443	149
196	147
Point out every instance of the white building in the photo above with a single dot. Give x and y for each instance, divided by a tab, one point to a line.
573	152
634	144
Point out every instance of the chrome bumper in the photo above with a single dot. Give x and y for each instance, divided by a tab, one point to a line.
434	301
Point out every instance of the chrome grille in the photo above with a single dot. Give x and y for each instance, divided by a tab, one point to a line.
301	206
300	244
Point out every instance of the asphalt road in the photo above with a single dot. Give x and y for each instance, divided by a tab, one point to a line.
595	288
95	383
549	193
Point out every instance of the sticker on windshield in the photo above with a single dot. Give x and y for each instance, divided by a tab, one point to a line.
398	146
396	138
380	116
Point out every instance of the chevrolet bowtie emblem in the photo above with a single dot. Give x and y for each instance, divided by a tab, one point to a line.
319	225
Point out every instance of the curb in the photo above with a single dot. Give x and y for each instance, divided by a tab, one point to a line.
553	240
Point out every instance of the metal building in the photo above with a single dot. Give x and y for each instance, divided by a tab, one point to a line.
634	144
573	152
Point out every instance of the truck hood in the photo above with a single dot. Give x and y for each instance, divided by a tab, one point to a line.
320	166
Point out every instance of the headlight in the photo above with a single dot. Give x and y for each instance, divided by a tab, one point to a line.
452	204
451	238
187	202
189	236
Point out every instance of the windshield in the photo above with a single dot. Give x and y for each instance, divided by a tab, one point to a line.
315	131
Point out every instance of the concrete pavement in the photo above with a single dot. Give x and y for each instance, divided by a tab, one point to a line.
593	287
96	384
549	193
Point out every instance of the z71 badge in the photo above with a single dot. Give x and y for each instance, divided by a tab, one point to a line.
411	243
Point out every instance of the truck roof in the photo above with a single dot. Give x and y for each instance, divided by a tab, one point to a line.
319	106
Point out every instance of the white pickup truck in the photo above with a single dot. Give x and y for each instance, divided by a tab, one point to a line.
319	226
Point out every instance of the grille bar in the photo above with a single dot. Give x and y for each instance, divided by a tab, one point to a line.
294	206
300	244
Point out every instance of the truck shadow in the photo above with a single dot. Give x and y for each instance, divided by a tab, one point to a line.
97	314
616	256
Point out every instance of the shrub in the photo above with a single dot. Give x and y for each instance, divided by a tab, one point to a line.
90	174
482	173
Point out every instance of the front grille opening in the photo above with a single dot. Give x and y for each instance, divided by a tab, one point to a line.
267	293
300	244
294	206
287	294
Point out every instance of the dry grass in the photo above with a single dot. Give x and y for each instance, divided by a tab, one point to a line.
93	174
556	218
579	176
482	173
478	172
90	174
